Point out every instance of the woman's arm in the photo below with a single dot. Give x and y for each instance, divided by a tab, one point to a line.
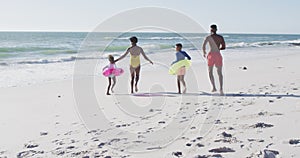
144	55
124	55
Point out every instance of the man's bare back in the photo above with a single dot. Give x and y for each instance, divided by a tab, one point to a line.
216	42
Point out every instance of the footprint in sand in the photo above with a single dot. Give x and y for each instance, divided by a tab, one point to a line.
224	134
29	153
101	145
177	153
221	150
30	145
218	122
199	145
82	154
255	140
43	133
199	138
265	113
161	122
270	153
294	141
95	139
230	128
262	113
70	147
2	152
261	125
58	151
209	156
188	144
227	138
61	151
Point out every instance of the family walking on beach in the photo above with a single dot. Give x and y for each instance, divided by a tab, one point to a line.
178	67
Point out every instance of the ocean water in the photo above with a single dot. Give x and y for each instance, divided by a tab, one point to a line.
34	57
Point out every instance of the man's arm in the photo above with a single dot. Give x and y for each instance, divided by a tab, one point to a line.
124	55
144	55
223	45
204	47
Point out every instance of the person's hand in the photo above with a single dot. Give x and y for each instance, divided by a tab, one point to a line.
204	55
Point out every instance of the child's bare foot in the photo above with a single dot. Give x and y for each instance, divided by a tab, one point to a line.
179	92
214	90
136	89
184	90
221	93
107	93
112	90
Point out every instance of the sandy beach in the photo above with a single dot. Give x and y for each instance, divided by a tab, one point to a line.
259	114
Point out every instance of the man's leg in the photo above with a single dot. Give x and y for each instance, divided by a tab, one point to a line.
137	77
219	70
178	84
211	77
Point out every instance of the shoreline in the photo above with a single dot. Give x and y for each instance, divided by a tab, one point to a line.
65	69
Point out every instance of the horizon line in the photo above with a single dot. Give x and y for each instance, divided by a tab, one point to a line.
79	31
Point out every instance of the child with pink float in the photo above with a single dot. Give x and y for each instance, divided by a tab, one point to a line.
111	71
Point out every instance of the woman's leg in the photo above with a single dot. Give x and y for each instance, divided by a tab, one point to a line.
137	77
132	78
132	81
109	83
114	83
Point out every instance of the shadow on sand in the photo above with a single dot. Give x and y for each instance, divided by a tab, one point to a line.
251	95
173	94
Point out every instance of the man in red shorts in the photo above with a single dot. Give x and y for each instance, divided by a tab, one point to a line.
214	57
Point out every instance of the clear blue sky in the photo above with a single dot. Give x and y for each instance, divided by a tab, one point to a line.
232	16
